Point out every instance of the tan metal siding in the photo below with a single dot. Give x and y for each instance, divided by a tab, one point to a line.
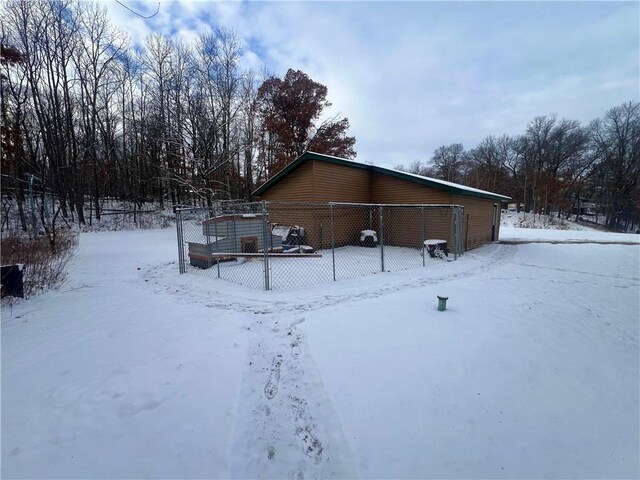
339	183
439	226
388	189
314	219
404	227
478	220
295	187
320	181
348	222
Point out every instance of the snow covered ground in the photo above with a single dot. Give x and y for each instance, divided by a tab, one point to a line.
539	222
565	232
291	273
132	370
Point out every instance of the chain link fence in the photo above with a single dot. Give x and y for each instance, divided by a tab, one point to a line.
284	245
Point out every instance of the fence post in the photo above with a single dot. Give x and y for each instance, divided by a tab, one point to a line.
454	233
33	206
333	243
207	228
265	224
181	266
381	239
422	229
45	208
460	222
215	228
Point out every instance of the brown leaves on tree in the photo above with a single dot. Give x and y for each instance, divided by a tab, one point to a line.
10	55
331	139
290	109
10	134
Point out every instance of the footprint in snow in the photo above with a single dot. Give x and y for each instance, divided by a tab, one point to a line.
271	452
295	348
271	387
311	446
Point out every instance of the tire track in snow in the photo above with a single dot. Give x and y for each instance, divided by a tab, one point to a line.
568	270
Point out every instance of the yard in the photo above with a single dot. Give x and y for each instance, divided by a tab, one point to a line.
132	370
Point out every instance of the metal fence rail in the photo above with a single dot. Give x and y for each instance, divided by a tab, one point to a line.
284	245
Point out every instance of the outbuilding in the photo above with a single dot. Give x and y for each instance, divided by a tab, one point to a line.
319	178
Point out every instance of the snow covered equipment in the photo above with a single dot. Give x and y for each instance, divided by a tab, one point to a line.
436	248
442	303
368	238
296	237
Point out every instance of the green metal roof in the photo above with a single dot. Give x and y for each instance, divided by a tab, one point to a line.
450	187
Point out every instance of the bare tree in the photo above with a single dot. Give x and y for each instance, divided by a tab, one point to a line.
448	163
616	141
100	47
46	31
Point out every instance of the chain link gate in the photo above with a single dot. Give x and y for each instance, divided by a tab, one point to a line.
285	245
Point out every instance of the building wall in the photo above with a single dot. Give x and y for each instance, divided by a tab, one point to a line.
296	187
318	181
348	221
411	226
307	216
337	183
324	182
388	189
478	220
404	227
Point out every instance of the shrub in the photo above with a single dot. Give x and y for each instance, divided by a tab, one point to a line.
43	269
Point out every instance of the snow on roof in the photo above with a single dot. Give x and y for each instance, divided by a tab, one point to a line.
449	184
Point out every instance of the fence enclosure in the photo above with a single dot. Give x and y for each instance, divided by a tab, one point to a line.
284	245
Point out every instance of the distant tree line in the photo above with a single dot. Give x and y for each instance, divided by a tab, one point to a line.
89	117
554	164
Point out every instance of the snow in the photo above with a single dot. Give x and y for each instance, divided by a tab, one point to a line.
299	249
433	242
368	233
132	370
577	233
537	380
449	184
107	379
281	231
540	222
293	272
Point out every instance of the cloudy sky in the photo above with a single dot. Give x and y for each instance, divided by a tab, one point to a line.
412	76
